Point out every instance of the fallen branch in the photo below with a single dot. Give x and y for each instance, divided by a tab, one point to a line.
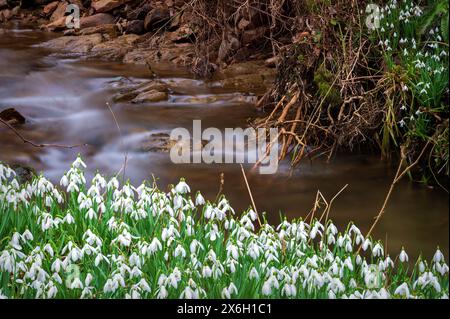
36	144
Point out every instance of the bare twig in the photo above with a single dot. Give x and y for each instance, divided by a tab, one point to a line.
399	174
40	145
123	168
250	194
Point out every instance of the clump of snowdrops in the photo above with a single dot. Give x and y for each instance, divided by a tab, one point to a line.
104	240
413	40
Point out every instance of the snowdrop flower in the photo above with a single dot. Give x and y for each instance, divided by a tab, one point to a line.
377	250
289	290
438	256
253	274
72	187
402	290
442	269
163	293
179	251
76	284
64	181
49	249
78	163
182	187
199	200
422	267
233	251
253	215
403	256
194	245
267	288
68	219
206	272
90	214
110	286
27	236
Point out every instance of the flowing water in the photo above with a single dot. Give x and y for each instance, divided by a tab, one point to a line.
64	100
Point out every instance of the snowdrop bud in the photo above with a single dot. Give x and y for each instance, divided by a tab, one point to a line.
88	279
438	256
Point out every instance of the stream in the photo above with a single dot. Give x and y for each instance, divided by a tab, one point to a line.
63	97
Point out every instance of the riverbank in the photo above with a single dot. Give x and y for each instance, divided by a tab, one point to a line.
308	62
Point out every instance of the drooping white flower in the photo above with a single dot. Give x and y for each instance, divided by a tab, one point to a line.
403	256
182	187
403	290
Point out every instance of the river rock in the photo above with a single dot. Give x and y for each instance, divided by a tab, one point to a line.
253	35
56	25
182	34
23	173
5	15
107	5
50	8
150	96
115	49
252	76
140	12
96	20
124	96
106	29
133	90
59	12
12	116
76	44
152	85
180	54
156	18
157	142
135	27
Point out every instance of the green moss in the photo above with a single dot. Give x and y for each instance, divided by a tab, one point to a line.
323	79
